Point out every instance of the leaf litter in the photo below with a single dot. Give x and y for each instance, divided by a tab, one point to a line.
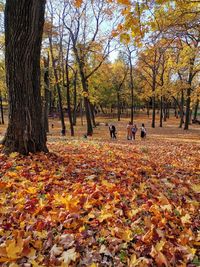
91	203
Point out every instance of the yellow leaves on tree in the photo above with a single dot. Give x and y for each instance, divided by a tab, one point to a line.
78	3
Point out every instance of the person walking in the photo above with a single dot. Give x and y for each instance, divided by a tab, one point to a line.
112	130
129	133
134	130
143	132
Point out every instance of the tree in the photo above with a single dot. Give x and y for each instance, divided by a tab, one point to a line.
24	20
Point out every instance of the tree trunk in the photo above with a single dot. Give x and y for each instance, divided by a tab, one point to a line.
132	95
46	94
153	112
167	110
63	131
85	90
75	98
161	111
102	110
81	111
118	107
187	113
68	99
188	94
1	107
196	110
92	114
148	113
164	110
24	20
181	110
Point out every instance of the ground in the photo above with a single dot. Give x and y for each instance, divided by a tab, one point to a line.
96	202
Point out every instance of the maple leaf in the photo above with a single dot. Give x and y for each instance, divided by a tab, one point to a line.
69	256
14	248
104	215
55	250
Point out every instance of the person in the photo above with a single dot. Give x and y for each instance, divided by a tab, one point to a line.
129	133
143	131
134	130
112	130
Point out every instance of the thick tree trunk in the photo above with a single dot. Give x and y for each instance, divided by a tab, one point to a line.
24	20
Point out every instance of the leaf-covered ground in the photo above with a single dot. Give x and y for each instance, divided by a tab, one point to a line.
92	203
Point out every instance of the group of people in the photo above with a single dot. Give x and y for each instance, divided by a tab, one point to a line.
131	131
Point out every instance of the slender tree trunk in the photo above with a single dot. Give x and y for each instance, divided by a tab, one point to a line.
102	110
153	112
63	131
69	99
161	111
148	113
167	109
187	113
92	114
85	90
175	109
118	107
196	110
132	93
75	98
24	20
181	110
46	94
81	111
188	94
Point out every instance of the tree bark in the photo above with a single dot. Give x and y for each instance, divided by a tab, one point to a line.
69	99
153	112
75	98
46	94
196	110
118	107
1	107
161	111
188	94
92	111
187	113
132	88
63	131
181	110
24	20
